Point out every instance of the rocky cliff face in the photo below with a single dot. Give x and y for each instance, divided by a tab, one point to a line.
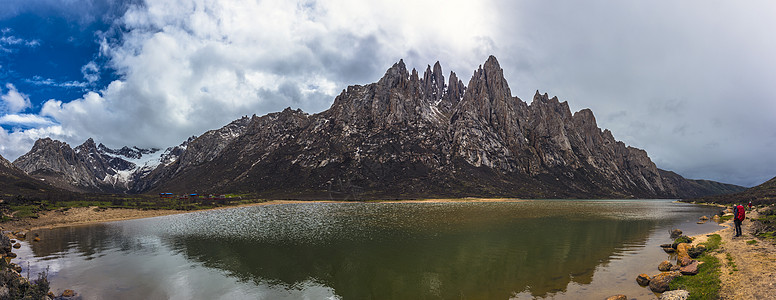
404	136
16	183
412	136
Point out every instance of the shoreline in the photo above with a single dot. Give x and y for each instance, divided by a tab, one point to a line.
748	270
78	216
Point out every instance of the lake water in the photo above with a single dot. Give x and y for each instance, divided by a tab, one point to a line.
559	249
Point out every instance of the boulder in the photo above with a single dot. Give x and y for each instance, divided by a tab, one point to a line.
21	235
685	261
665	266
704	218
17	246
715	218
666	246
36	239
675	233
669	250
690	269
675	295
682	250
659	283
618	297
642	279
68	293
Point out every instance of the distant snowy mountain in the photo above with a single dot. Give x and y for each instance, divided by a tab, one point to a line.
90	167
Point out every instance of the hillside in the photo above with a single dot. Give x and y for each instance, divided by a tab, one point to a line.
764	193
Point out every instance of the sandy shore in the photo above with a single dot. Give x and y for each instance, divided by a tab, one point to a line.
92	215
755	277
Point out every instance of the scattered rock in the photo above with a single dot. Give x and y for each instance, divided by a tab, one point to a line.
68	293
690	269
675	295
11	255
51	295
666	246
659	283
676	233
669	250
682	250
21	235
618	297
17	246
36	239
684	261
704	218
642	279
715	218
665	266
5	293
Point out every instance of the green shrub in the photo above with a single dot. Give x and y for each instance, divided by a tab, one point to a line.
713	242
704	285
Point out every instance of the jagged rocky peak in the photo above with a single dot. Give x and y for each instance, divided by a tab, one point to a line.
434	83
489	78
133	153
87	146
395	75
545	106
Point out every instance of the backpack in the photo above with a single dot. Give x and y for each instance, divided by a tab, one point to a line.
740	213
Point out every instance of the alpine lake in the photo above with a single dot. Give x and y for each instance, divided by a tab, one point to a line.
523	249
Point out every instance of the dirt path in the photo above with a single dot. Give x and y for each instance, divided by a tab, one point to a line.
755	277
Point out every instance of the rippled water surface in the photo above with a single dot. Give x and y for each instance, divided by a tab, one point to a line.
560	249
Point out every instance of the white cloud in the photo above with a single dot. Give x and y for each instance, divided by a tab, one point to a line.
27	120
37	80
13	101
8	42
16	143
189	66
91	72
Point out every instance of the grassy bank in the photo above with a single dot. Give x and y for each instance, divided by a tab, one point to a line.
29	207
765	224
706	284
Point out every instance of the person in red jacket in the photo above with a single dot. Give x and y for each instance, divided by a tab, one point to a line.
739	214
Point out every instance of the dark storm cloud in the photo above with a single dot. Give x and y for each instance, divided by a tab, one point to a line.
686	81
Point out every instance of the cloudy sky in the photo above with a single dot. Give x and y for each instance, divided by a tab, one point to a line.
691	82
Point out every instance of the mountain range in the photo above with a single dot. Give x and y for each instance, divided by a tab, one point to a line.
405	136
762	194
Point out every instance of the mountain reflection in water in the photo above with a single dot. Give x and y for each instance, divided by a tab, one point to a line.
363	250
